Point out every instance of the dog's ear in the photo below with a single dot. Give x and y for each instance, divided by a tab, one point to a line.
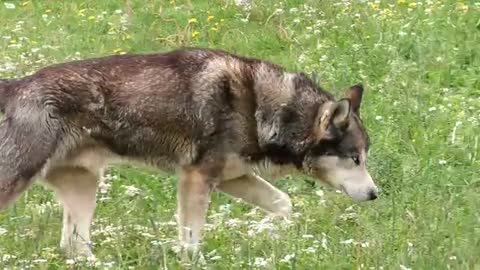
333	120
341	113
354	94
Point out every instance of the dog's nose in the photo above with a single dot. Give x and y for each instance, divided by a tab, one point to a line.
372	195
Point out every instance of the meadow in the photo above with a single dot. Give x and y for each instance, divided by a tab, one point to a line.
420	64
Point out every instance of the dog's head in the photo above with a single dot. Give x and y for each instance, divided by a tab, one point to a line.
338	156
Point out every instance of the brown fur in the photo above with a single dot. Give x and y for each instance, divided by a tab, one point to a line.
211	114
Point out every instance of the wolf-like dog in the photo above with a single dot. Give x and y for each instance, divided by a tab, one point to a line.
218	119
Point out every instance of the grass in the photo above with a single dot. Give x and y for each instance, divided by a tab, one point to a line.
420	62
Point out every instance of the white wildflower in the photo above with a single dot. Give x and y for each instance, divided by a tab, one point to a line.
262	225
7	257
410	248
324	241
356	47
442	162
378	117
432	109
147	235
246	4
233	222
347	242
310	250
108	264
156	243
302	58
39	261
225	208
131	191
287	258
296	215
9	5
260	262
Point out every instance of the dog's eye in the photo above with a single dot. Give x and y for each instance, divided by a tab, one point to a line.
356	159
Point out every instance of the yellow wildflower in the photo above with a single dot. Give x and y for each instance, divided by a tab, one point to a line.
214	29
412	5
81	12
91	18
374	6
13	41
24	3
210	18
195	34
192	20
462	6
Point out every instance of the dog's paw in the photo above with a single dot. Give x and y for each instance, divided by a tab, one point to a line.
77	249
283	207
190	255
192	258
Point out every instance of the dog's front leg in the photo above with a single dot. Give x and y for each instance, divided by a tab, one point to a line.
193	200
257	191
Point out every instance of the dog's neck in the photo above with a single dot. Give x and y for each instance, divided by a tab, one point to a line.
275	87
287	107
272	86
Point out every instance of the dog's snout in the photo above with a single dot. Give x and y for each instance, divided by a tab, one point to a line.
372	195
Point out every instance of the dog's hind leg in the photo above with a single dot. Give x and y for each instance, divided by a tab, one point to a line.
28	137
257	191
76	189
193	200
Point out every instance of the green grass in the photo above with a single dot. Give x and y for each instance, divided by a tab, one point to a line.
420	63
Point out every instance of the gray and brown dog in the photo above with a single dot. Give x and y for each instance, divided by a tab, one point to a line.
219	119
